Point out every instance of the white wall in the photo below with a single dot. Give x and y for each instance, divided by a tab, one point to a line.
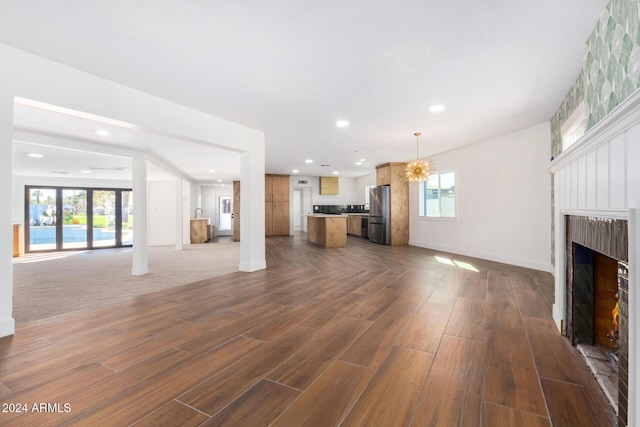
162	208
208	203
186	211
361	183
504	201
349	190
28	76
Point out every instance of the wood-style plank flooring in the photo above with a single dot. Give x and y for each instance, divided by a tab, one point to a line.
366	335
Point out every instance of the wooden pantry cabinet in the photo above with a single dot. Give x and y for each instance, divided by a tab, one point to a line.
393	175
276	205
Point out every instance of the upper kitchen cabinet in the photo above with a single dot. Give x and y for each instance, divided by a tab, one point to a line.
329	185
383	174
393	175
276	205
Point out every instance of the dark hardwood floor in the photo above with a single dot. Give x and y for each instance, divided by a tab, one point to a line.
366	335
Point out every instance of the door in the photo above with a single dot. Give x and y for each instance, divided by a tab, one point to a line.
74	218
66	218
104	218
297	210
224	222
41	219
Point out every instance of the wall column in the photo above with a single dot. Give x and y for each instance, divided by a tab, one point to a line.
179	212
7	323
140	219
252	241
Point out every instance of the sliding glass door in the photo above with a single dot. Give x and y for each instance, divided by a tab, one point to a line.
127	218
74	219
62	218
41	218
104	218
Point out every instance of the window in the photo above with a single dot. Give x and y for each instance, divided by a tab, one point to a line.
438	196
366	195
575	126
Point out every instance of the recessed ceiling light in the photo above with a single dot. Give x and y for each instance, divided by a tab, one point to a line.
219	180
212	170
85	171
102	132
342	123
436	108
295	171
358	163
308	161
335	172
35	155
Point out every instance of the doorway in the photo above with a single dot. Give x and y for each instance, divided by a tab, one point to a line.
301	207
224	221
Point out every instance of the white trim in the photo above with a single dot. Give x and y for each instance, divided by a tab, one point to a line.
250	267
633	417
619	120
575	126
7	327
438	218
598	213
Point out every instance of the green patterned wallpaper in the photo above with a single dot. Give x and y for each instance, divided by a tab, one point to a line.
610	73
611	70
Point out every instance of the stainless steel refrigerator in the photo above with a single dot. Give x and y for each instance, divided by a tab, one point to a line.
379	224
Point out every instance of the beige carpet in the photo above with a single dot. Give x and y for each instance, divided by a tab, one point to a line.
49	284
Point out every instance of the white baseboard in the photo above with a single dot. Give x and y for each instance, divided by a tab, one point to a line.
254	266
7	327
535	265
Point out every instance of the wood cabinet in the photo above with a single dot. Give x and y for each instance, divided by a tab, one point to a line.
383	174
276	205
329	231
236	211
329	185
393	175
198	229
16	240
354	225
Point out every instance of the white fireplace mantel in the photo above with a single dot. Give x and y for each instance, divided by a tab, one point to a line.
599	176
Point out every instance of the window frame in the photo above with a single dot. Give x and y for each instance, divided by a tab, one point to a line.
574	127
422	215
59	243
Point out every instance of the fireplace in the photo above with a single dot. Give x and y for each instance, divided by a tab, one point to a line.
597	288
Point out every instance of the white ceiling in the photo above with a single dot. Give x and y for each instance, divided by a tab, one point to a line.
293	68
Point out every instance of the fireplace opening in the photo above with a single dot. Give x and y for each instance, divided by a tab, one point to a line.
597	303
595	278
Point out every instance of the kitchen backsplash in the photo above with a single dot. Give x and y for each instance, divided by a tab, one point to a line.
339	209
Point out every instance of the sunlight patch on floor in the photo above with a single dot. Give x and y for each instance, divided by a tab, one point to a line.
454	263
49	256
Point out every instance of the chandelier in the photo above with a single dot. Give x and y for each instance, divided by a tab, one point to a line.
419	169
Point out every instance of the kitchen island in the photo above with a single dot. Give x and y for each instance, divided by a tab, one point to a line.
327	230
